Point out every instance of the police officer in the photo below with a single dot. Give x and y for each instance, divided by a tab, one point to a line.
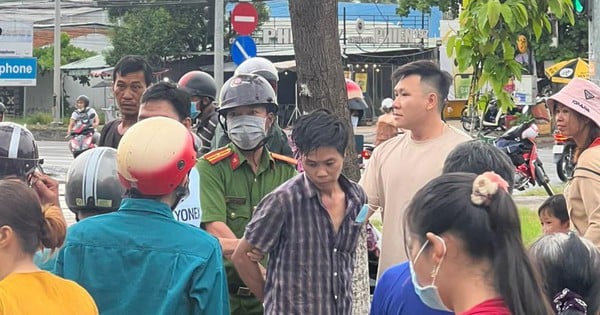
277	140
203	91
234	178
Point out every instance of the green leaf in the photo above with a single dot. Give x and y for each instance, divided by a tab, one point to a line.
507	15
537	28
509	49
450	45
493	12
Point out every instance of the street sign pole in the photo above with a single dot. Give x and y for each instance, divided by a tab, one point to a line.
57	89
218	46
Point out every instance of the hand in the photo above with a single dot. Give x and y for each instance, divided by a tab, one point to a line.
46	188
255	255
263	271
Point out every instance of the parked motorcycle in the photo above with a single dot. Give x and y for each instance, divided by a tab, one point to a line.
519	143
83	137
492	119
563	152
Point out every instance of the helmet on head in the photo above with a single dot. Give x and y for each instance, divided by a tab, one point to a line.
92	182
261	66
198	83
387	103
2	108
155	155
18	151
246	90
355	96
85	99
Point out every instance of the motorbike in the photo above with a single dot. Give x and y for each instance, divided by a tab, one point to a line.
492	119
519	143
563	152
83	137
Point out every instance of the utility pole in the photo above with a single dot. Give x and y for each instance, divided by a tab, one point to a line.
57	74
218	45
594	40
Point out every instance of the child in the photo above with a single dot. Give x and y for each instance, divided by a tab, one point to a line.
553	215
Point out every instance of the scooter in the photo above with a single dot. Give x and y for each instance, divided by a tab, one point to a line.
563	152
83	137
493	118
519	143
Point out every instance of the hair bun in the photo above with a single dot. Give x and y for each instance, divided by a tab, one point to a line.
485	186
569	300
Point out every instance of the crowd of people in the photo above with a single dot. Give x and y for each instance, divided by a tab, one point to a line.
193	204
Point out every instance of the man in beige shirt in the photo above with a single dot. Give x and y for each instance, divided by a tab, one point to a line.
400	166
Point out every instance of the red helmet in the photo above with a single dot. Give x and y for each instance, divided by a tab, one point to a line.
355	96
155	155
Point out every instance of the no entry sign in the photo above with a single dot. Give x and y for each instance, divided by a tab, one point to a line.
244	18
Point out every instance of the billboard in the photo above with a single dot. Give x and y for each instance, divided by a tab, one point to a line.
16	39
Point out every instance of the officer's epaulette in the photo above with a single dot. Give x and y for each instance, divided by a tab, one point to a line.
218	155
284	158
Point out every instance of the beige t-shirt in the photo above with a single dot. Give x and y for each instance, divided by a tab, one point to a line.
398	168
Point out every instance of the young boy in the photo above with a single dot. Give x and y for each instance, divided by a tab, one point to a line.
553	215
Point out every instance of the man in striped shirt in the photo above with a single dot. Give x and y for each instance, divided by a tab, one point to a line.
309	226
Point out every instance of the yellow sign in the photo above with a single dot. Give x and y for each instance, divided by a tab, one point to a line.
348	75
361	79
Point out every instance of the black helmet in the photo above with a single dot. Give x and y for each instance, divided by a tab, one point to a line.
198	83
245	90
93	183
2	108
259	65
85	99
18	151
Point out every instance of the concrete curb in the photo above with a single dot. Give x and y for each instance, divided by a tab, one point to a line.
48	133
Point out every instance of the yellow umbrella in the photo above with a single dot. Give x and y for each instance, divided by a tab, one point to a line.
564	71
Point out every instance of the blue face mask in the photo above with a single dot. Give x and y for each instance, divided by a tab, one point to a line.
428	294
193	109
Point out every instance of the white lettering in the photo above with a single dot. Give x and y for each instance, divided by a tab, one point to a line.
187	214
15	69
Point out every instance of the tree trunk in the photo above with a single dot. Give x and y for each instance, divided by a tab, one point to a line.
319	65
321	85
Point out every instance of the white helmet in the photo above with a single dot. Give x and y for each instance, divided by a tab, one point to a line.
258	65
386	103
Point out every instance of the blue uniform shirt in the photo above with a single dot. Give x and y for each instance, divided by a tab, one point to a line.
140	260
395	295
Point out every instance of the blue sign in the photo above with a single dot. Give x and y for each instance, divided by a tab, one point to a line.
243	48
18	71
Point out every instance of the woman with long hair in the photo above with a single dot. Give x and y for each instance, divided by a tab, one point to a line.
465	248
576	110
25	228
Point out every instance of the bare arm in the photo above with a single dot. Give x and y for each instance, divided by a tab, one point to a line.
96	121
249	270
71	123
226	237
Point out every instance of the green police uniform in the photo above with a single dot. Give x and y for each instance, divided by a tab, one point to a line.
229	192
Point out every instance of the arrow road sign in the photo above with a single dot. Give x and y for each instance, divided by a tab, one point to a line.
243	48
244	18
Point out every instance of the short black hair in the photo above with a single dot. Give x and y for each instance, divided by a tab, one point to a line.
479	157
173	94
431	74
320	129
133	63
556	206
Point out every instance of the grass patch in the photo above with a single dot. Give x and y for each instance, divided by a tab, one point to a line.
530	225
540	191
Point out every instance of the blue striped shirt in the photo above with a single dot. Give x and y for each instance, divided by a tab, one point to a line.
310	265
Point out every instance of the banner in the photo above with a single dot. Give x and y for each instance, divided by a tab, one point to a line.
361	79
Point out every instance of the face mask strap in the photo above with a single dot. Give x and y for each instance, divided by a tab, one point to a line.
436	269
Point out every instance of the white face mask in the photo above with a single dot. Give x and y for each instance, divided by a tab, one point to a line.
246	132
354	120
429	294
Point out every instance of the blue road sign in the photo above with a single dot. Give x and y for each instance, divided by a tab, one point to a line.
18	71
243	48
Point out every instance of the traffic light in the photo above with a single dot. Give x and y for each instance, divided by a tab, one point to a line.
580	6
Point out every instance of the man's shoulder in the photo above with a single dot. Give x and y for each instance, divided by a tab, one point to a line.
284	159
218	155
457	135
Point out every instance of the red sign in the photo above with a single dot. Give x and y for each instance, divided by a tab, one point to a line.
244	18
